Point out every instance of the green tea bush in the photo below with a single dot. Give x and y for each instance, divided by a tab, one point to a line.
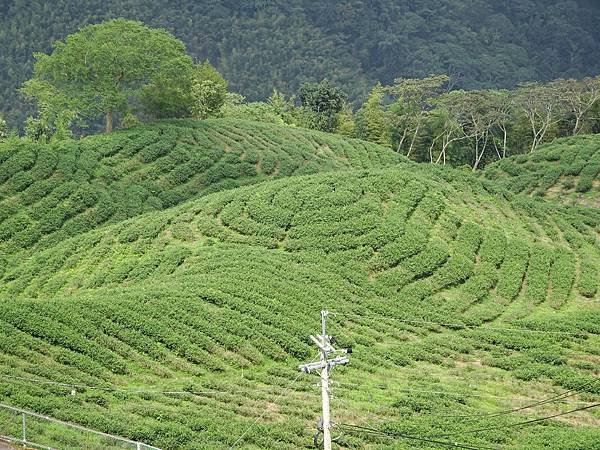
587	176
512	270
536	278
562	276
588	278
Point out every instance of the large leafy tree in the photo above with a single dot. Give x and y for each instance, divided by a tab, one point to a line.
321	102
209	90
107	68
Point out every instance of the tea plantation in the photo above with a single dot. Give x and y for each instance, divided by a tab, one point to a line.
50	192
567	170
473	312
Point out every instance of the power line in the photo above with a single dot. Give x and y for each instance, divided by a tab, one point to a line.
350	427
462	394
70	425
464	325
518	424
435	392
132	391
433	438
566	394
289	387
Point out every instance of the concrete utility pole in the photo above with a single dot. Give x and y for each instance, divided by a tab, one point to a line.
324	343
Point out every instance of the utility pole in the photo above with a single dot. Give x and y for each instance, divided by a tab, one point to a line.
324	342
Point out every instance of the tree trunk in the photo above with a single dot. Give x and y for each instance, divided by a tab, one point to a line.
109	121
412	142
577	122
401	141
431	148
479	157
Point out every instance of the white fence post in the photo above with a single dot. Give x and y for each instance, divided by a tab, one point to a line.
23	429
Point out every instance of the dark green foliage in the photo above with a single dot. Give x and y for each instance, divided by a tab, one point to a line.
321	102
263	45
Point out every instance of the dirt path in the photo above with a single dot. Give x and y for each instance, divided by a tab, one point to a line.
6	446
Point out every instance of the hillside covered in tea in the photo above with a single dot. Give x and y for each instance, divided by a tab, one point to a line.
566	170
52	191
179	318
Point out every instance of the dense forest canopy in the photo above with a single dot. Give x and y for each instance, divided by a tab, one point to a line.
267	44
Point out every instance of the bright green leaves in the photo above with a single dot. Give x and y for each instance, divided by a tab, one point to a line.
588	277
208	90
106	69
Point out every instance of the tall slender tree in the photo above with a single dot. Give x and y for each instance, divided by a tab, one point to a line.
543	106
452	115
3	128
579	96
372	121
413	99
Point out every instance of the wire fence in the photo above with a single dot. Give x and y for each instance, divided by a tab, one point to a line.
37	431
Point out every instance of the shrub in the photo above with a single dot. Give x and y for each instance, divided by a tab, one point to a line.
588	278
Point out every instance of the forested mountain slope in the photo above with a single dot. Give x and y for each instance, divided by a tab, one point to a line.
265	44
52	191
440	282
566	170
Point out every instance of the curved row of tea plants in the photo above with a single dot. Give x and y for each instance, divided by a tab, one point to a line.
49	192
219	294
567	170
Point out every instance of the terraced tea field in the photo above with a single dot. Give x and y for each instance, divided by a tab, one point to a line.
567	170
473	313
50	192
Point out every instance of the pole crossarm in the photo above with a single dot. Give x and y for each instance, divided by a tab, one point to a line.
311	366
320	365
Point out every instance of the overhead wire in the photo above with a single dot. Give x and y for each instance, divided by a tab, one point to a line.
435	437
518	424
123	390
552	399
565	394
107	389
289	387
435	392
350	427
